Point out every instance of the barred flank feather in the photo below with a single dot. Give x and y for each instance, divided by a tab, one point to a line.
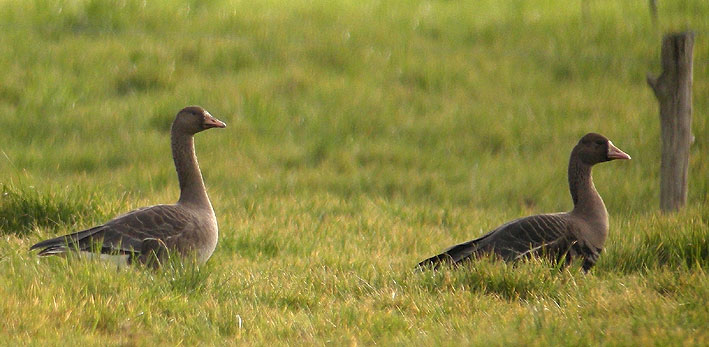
580	233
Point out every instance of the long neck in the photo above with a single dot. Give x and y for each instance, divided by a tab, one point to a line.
192	190
584	194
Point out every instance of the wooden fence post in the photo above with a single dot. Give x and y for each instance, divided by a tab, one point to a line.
673	90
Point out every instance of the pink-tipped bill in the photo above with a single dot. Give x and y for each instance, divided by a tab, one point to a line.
615	153
211	122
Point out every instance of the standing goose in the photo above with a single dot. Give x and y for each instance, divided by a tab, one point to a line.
580	233
188	228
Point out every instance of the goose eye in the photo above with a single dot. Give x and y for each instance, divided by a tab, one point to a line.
599	142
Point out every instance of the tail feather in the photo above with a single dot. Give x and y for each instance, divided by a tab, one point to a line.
63	243
453	255
436	261
52	250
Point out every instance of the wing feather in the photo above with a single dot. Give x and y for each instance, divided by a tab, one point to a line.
125	233
540	234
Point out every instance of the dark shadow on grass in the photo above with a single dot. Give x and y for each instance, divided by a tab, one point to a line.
24	208
524	280
665	242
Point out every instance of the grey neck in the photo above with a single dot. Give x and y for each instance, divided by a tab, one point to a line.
192	190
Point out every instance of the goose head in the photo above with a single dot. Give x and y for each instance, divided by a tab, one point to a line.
595	148
193	119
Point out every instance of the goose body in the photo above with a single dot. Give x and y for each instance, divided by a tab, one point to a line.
580	233
187	228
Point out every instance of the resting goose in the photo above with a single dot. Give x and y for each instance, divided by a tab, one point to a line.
580	233
187	228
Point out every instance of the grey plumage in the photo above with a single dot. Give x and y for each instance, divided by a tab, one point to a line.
580	233
171	224
188	228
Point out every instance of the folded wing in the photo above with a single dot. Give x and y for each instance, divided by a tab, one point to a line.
548	234
124	234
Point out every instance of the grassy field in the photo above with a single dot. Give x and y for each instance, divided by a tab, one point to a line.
362	137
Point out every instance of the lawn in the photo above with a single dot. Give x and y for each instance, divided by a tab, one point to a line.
363	137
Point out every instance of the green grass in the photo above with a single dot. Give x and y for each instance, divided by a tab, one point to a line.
362	137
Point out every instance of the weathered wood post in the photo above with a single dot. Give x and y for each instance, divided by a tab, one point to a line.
673	90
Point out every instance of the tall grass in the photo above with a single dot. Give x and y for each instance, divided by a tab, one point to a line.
24	209
362	137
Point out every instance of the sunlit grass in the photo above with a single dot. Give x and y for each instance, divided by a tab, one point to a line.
362	137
